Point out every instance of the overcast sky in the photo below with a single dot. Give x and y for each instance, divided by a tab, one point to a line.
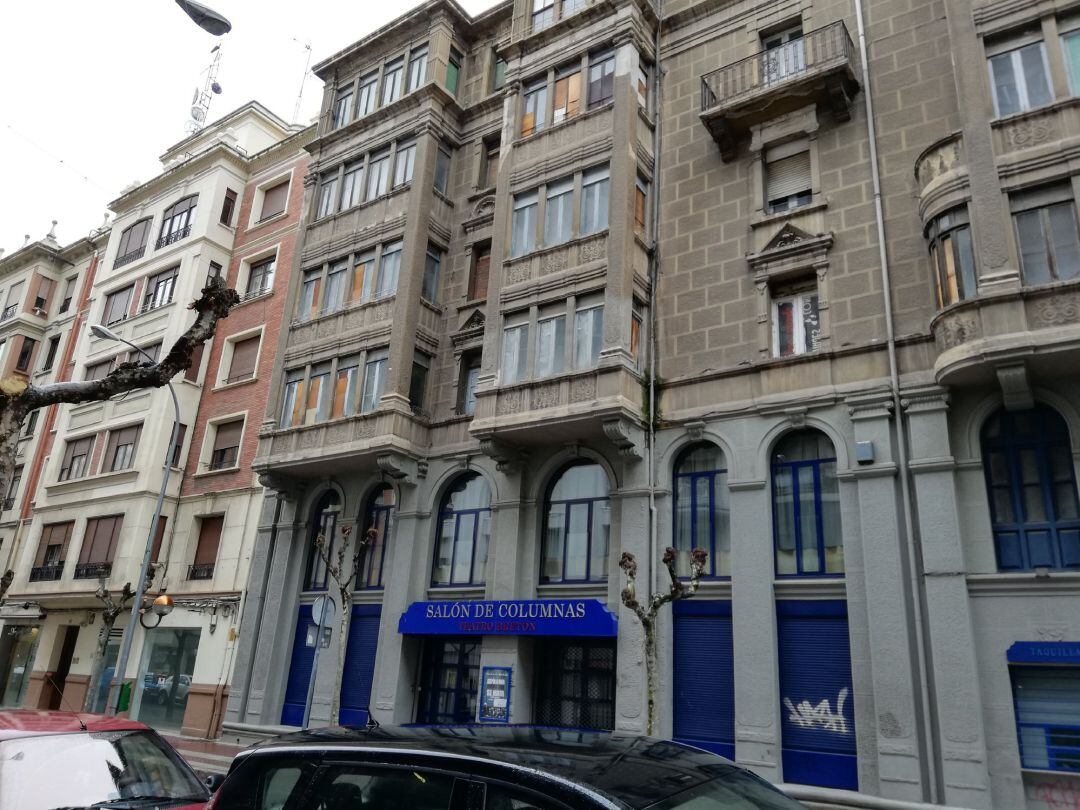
94	92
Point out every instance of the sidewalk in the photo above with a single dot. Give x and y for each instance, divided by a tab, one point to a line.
204	756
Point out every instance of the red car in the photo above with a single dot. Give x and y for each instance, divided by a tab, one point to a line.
68	760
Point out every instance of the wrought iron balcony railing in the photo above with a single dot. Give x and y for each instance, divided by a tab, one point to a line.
175	236
128	258
93	570
201	571
9	503
257	291
47	573
9	312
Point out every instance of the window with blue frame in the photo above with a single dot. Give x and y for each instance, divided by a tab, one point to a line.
1031	485
464	530
449	681
702	514
577	526
323	522
1047	702
378	522
806	506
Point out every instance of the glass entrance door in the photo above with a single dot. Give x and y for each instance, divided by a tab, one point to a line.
161	689
449	680
17	656
575	683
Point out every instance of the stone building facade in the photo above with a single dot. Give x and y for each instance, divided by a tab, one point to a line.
792	281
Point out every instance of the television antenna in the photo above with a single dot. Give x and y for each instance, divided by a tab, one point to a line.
200	102
303	79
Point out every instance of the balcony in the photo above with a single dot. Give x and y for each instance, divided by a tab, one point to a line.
9	313
257	292
93	570
128	258
201	571
816	67
175	236
47	573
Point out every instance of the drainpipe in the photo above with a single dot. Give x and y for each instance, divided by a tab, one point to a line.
915	561
654	274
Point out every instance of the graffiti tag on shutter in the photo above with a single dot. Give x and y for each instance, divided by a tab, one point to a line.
821	716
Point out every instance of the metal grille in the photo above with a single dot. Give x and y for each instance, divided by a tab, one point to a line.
449	679
575	683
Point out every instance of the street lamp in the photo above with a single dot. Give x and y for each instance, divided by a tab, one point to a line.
101	331
206	18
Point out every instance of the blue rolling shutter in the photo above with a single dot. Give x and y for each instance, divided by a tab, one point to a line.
292	711
359	665
704	676
816	696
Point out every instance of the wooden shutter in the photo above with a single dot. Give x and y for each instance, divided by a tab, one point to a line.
274	200
243	359
159	536
128	435
209	539
788	175
573	94
51	535
481	271
99	541
228	435
14	294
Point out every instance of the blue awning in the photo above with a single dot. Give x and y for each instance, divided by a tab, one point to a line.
1044	652
520	617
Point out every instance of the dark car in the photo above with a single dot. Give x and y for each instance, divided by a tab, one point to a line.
486	768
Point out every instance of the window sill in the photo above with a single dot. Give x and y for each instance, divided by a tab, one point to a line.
258	223
225	386
283	429
566	122
100	479
212	473
362	205
441	195
545	249
322	316
246	300
469	303
448	592
1053	106
552	590
760	218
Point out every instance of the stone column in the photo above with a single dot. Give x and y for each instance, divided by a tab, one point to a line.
506	550
956	694
631	533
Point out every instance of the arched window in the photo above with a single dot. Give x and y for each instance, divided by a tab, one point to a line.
1031	484
806	506
577	525
177	219
464	531
323	521
378	515
701	509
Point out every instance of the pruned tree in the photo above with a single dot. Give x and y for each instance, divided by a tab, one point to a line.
345	578
647	613
111	608
5	582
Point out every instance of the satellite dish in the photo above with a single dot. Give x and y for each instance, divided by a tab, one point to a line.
216	88
198	113
195	98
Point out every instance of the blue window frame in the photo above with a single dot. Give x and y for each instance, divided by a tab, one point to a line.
1031	485
378	518
577	526
464	530
323	521
806	506
702	513
449	681
1047	703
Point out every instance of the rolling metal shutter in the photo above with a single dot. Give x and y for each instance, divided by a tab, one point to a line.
356	681
292	710
704	676
816	696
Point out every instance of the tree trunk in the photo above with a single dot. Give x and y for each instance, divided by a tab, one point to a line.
650	675
343	645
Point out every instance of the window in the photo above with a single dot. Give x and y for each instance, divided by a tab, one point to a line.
374	381
178	446
352	184
588	336
342	110
1019	78
523	227
601	79
1031	486
450	683
787	176
577	525
498	74
323	524
470	375
244	354
567	93
212	271
13	487
31	423
481	269
391	88
52	549
327	196
1070	44
26	352
225	452
44	293
515	352
952	259
346	384
363	278
275	199
389	266
442	170
403	164
98	546
637	325
76	458
796	322
702	514
206	549
309	294
489	170
418	380
641	197
337	278
377	527
1047	702
292	401
159	289
430	288
594	200
453	71
784	54
69	291
228	207
116	305
550	345
261	278
152	350
98	371
378	179
643	87
535	107
177	219
806	506
50	354
193	371
132	242
543	14
1046	234
121	447
464	530
575	685
559	211
365	99
319	395
418	60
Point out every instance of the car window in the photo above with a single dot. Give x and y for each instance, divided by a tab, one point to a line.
736	789
267	783
372	787
501	797
277	787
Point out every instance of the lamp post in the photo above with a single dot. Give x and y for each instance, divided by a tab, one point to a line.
206	18
133	620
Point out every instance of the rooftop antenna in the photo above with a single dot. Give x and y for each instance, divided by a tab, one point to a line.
200	103
303	79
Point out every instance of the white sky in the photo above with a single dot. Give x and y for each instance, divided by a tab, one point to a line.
93	92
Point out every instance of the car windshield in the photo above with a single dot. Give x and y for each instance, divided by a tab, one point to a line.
735	790
128	768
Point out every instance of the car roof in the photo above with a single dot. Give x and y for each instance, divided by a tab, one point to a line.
31	723
631	769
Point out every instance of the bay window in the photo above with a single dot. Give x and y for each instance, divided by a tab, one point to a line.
559	212
594	199
588	335
523	227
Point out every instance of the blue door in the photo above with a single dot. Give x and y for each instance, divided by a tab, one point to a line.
359	665
296	688
816	701
704	678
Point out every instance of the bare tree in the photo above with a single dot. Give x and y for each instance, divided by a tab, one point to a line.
5	582
346	583
647	613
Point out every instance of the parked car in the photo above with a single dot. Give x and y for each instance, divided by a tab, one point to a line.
183	686
51	760
487	768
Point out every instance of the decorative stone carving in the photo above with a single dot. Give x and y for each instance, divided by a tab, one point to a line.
288	488
889	726
1015	388
364	429
509	402
338	434
308	439
485	206
938	160
583	389
956	330
545	396
787	236
379	312
474	321
695	430
1051	632
507	457
591	251
553	262
1027	133
396	466
517	273
619	433
1060	309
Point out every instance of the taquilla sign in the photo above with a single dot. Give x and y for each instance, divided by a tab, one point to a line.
519	617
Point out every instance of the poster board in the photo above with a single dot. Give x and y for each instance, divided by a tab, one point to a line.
494	704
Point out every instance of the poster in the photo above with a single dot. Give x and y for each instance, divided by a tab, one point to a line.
495	695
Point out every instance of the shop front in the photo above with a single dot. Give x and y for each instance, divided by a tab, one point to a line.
18	644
